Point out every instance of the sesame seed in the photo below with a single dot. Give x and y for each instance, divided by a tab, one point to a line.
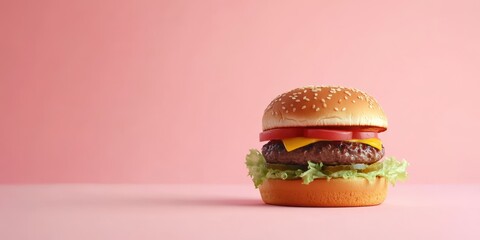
305	91
318	109
330	95
323	100
303	107
346	97
298	100
313	106
283	102
336	109
329	98
291	104
294	109
286	111
315	98
339	100
353	101
344	109
370	106
316	94
283	107
348	93
324	105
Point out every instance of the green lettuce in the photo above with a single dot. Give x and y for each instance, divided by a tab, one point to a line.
390	168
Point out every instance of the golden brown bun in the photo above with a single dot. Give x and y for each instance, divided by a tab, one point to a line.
337	192
326	107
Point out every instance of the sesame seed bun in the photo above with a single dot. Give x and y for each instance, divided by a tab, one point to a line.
337	192
325	107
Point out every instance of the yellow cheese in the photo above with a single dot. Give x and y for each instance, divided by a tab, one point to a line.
298	142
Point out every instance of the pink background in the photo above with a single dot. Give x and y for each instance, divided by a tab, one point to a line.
173	91
228	211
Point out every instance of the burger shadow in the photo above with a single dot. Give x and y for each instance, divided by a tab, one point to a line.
162	201
222	202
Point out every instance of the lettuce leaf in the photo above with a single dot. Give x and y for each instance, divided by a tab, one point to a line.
390	168
256	167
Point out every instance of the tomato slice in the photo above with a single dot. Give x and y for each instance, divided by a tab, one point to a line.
280	133
318	133
327	134
364	135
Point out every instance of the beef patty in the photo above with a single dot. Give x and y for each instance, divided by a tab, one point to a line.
327	152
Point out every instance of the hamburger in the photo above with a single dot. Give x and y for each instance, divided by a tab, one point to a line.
323	150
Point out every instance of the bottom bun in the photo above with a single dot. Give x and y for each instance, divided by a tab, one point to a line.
336	192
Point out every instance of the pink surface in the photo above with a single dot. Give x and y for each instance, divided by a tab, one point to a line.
229	212
113	91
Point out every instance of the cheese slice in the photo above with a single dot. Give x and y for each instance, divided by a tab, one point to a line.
298	142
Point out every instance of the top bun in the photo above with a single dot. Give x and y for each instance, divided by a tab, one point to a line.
325	106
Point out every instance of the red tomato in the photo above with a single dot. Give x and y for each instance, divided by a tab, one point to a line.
327	134
364	135
280	133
